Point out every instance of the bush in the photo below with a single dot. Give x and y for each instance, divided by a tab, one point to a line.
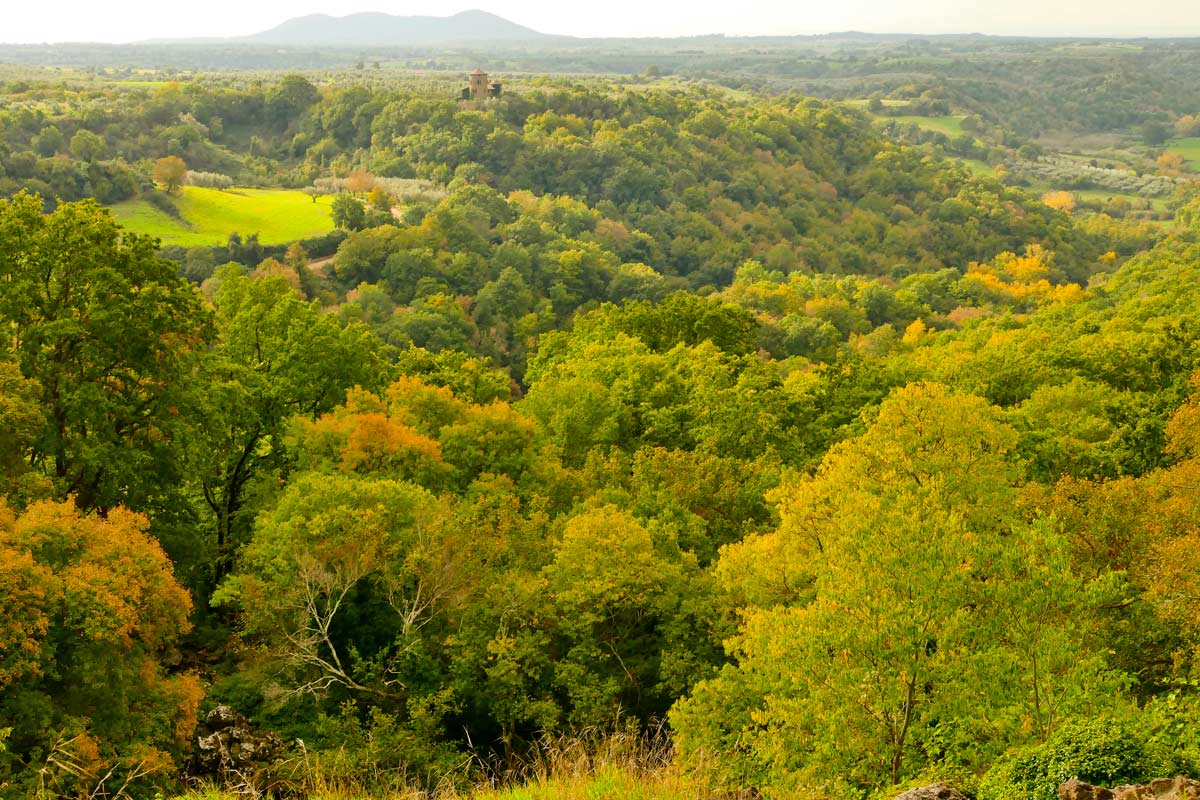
209	180
1172	728
1103	752
163	202
392	755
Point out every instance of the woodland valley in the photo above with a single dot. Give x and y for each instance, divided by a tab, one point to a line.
777	417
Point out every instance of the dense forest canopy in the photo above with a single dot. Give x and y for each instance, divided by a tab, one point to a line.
1027	85
825	445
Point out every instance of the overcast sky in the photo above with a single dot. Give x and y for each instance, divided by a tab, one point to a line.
133	20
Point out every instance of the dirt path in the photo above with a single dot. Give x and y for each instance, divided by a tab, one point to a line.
320	266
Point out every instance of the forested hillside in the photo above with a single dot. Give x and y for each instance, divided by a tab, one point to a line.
735	421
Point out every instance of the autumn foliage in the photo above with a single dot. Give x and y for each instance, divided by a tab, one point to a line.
856	464
170	172
92	614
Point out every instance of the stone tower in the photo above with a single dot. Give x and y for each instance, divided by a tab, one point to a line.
479	84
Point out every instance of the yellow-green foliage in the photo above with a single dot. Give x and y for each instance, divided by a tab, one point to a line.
208	216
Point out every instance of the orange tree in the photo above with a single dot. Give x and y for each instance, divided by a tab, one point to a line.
92	615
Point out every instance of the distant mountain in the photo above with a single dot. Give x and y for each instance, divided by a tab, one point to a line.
386	29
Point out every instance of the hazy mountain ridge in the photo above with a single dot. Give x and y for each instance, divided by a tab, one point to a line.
374	28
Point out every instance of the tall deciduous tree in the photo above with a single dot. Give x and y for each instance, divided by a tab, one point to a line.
111	334
290	98
332	548
348	212
915	617
87	146
277	357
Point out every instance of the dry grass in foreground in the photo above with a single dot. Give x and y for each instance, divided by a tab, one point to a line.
614	767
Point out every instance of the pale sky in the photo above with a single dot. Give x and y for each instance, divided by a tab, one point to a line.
133	20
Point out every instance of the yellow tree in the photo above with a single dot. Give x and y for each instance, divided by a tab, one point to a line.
1151	526
902	602
169	172
1169	164
379	199
1060	201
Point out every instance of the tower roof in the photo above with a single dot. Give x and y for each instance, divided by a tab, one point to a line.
477	71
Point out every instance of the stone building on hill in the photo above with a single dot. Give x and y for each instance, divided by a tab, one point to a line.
480	88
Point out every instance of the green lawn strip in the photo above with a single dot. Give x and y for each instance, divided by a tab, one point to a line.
949	125
208	216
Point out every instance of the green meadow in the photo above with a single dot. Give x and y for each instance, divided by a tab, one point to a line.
208	216
1188	148
978	167
949	125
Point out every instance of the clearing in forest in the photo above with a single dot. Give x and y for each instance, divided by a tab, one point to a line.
1188	149
208	216
951	125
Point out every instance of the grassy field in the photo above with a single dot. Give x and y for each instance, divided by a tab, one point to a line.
1189	149
978	167
143	84
606	783
208	216
1039	188
950	125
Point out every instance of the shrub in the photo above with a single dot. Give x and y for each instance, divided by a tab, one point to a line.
1172	728
1104	752
395	754
163	202
209	180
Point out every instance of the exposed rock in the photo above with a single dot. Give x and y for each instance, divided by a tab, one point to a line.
1180	788
1078	790
934	791
233	753
223	717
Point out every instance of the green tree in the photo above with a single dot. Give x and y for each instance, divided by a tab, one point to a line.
915	617
349	213
338	547
1155	132
690	398
21	422
290	98
473	379
49	142
87	146
616	594
277	356
112	335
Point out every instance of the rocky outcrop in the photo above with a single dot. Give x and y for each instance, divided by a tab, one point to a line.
1162	789
1078	790
233	753
934	791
